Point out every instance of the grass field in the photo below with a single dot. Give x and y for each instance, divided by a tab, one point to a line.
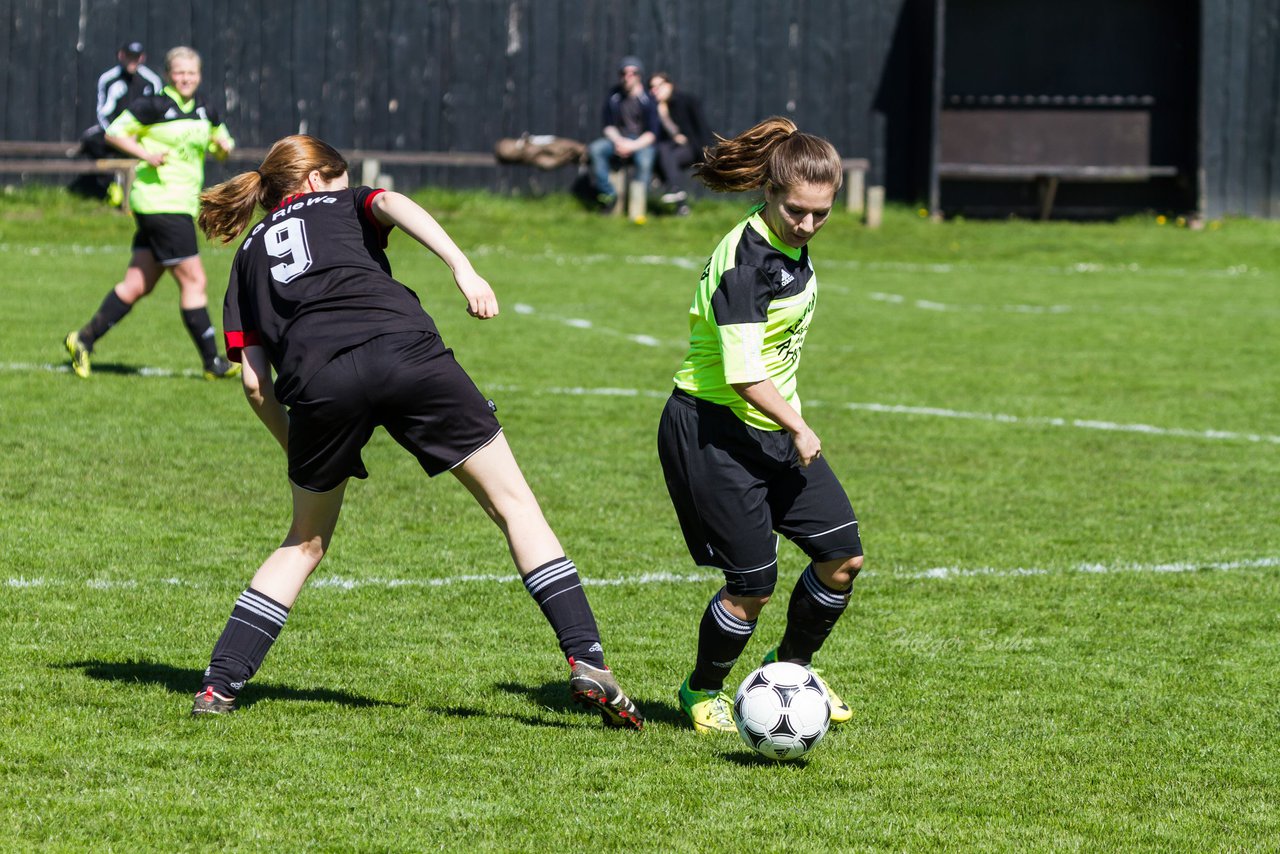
1062	441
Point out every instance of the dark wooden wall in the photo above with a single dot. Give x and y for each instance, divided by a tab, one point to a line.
460	74
1240	132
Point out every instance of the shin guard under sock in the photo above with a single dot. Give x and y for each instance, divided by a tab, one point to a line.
811	616
111	312
721	639
557	589
200	327
254	625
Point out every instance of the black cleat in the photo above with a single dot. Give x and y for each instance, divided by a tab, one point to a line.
596	689
210	702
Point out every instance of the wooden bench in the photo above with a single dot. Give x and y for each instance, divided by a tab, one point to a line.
1047	140
62	158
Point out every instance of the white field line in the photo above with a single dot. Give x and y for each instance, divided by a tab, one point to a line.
1042	421
930	305
582	323
880	408
940	573
1077	268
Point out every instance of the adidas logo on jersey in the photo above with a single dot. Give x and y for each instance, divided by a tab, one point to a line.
787	278
171	113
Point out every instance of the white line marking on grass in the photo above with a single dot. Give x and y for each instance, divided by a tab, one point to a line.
939	573
1081	423
143	371
948	572
882	408
929	305
581	323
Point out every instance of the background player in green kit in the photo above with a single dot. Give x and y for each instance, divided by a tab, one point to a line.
170	132
740	461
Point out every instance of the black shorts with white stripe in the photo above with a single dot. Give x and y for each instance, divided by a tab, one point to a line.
734	485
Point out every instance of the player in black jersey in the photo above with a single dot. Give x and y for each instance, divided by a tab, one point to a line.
311	297
739	460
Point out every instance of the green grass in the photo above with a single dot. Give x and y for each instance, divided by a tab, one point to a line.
1065	637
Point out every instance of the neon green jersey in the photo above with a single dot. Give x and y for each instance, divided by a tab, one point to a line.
748	319
184	131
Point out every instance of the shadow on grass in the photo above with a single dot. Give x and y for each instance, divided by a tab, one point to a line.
751	759
182	680
554	696
123	370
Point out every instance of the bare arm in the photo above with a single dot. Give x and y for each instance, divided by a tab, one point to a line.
131	146
764	396
260	391
407	215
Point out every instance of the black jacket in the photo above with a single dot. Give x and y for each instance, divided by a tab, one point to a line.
686	112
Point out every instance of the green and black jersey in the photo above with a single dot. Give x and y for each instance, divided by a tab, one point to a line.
185	132
748	319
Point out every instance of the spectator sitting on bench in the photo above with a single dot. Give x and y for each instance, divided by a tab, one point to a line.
118	87
631	128
681	142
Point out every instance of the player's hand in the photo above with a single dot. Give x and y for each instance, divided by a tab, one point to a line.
808	446
156	158
482	303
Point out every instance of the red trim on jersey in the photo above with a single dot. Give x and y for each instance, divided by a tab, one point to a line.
286	200
383	230
237	341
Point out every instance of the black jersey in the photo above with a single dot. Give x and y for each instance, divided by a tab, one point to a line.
312	280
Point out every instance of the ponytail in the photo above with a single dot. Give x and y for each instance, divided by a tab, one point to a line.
225	209
772	153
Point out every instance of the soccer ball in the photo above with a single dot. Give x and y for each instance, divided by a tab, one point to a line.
782	710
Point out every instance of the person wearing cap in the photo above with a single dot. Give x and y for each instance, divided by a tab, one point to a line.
118	86
631	127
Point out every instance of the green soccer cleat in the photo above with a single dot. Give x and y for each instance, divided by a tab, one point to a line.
221	369
840	711
708	711
80	354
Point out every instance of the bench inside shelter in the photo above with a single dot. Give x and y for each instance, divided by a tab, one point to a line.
1046	140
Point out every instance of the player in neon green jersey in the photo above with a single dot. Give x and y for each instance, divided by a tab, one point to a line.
170	133
741	463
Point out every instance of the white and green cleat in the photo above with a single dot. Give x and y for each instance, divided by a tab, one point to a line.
708	711
840	711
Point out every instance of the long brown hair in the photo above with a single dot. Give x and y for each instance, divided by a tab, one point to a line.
225	209
772	153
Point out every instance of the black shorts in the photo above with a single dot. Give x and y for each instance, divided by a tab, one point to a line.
734	485
170	237
407	382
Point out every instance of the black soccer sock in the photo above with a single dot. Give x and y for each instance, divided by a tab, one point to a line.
811	616
556	588
255	623
200	327
721	639
111	312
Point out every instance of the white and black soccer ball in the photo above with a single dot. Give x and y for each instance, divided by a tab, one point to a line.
782	710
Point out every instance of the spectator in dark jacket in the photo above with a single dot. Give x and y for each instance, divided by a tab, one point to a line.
682	139
631	128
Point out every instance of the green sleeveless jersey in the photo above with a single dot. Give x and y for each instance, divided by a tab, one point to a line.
748	319
184	131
